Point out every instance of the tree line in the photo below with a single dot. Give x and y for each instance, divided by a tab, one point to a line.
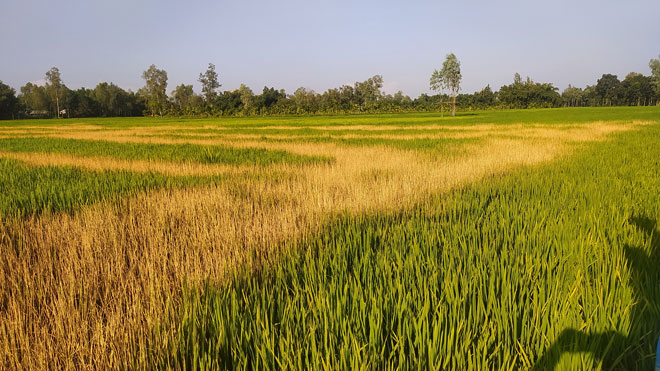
55	99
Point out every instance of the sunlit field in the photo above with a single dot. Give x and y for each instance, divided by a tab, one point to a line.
490	240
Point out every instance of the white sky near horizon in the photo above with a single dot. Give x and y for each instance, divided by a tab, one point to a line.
325	44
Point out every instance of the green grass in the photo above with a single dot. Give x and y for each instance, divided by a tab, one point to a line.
29	190
553	115
162	152
433	146
437	147
510	273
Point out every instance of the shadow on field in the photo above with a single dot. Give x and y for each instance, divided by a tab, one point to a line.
612	349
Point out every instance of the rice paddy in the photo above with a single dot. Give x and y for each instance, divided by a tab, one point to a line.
495	240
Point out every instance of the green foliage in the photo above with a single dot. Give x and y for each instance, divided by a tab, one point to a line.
8	102
155	90
500	275
162	152
304	100
210	84
247	98
185	101
105	100
29	190
529	94
637	89
55	87
367	93
35	99
654	65
108	100
573	97
607	89
449	77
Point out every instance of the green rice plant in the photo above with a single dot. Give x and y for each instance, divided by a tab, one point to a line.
162	152
432	146
549	115
29	190
551	266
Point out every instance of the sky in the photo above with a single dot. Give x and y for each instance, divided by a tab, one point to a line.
325	44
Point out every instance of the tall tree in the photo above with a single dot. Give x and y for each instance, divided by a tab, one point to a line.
485	98
572	96
367	93
247	97
607	89
517	79
654	65
54	86
449	77
35	99
155	90
210	84
83	103
529	94
304	100
637	89
590	96
8	101
183	97
111	99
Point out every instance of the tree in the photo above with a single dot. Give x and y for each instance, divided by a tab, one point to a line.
54	86
607	89
485	98
330	101
637	89
155	90
8	102
449	77
367	93
83	103
590	96
184	97
228	103
111	99
268	98
35	99
517	79
529	94
654	65
573	97
247	97
305	100
210	84
347	97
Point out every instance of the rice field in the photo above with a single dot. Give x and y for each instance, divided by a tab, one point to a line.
493	240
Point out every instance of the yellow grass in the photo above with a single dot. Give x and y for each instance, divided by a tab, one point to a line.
99	163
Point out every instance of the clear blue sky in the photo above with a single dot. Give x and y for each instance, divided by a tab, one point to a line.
324	44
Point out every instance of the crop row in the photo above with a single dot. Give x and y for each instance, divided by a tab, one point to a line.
162	152
31	190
